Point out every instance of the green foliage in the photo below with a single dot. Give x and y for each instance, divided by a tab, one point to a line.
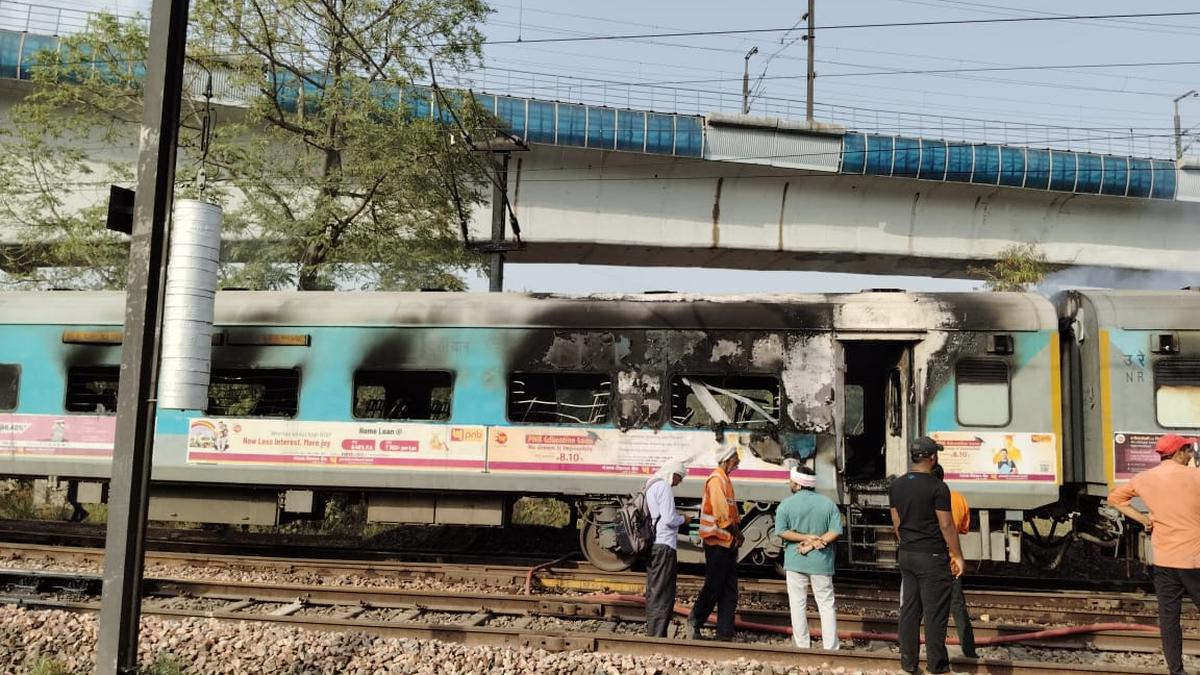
336	186
1019	267
48	665
541	511
163	665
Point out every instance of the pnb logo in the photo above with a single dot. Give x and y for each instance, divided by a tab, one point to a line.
465	435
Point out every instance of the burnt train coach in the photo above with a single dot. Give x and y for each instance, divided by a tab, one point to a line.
443	408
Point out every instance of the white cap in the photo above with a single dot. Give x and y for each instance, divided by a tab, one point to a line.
725	452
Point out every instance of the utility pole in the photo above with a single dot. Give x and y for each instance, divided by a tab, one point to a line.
499	211
746	81
129	484
812	73
1178	126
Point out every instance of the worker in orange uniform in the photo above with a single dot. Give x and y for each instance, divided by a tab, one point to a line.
960	513
1171	491
722	537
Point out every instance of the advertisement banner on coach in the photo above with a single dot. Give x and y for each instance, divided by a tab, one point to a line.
1133	453
992	456
58	436
559	450
373	444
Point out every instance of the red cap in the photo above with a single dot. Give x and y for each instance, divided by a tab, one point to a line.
1172	443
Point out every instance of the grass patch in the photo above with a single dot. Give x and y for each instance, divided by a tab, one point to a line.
541	511
16	503
48	665
163	665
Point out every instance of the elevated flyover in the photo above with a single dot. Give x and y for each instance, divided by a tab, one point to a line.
611	185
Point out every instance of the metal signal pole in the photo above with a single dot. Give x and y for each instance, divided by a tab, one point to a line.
129	484
812	73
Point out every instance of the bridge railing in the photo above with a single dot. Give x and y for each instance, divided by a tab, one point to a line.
39	21
30	17
690	100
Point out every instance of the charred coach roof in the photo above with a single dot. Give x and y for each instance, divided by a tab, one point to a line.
886	312
1134	310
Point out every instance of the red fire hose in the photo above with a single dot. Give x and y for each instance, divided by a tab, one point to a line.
1063	631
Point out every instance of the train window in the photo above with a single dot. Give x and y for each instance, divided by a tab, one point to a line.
1177	391
982	392
854	410
559	398
92	389
253	392
10	378
738	400
402	395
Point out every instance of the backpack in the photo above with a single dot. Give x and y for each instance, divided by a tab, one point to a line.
634	526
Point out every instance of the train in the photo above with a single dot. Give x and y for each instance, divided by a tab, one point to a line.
445	408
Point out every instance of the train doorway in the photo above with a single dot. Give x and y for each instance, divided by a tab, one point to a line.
877	413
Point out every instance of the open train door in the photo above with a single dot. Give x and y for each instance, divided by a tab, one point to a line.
877	419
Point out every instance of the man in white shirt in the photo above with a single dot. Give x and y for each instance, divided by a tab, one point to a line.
662	566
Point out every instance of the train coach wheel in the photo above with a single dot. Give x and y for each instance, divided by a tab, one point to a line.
599	551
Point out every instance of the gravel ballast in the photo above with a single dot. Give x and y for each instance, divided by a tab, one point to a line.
211	646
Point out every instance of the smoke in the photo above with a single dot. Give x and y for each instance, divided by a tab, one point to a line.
1108	277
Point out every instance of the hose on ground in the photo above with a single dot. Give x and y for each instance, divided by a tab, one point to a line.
1062	631
547	565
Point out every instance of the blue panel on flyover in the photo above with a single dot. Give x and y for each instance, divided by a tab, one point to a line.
933	160
960	160
1012	166
987	165
1062	170
1091	170
854	153
1116	176
908	157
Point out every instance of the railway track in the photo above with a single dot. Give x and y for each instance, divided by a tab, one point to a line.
554	623
1005	608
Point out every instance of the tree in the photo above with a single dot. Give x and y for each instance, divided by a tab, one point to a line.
328	176
1018	267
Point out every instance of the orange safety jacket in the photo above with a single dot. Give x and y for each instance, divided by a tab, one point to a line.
718	510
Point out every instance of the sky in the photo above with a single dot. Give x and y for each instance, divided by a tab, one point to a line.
1100	85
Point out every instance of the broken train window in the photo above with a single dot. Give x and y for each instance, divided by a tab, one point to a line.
10	380
739	401
253	392
559	398
92	389
402	394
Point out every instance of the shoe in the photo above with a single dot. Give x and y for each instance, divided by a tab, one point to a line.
724	638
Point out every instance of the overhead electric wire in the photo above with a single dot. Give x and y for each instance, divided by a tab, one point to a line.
891	24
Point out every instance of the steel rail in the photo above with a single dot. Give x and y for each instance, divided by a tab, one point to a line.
1062	608
237	596
519	635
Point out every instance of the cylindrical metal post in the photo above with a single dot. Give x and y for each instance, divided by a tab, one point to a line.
192	268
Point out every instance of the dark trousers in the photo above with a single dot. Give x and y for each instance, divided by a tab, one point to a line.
1170	583
962	620
925	588
660	589
720	590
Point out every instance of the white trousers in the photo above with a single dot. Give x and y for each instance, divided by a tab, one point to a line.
822	586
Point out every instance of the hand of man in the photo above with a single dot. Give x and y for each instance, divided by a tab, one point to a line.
686	519
1149	526
957	565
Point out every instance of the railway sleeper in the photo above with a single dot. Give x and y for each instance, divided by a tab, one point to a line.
558	643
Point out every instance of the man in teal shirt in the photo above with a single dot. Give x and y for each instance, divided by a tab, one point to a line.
808	523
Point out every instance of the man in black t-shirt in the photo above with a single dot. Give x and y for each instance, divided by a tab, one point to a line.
929	551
